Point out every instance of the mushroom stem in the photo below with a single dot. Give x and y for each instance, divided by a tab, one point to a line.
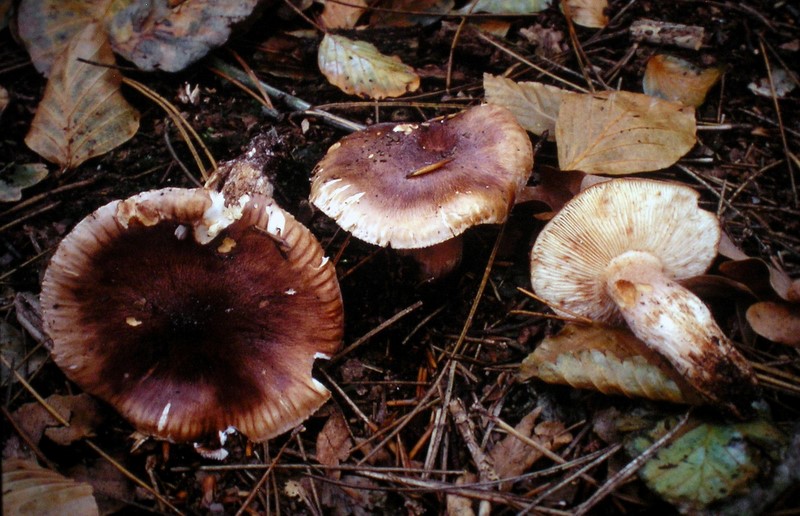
676	324
438	260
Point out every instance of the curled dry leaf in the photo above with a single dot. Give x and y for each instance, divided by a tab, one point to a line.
677	80
83	113
621	132
555	189
778	322
337	15
587	13
4	98
31	489
533	103
18	177
358	68
606	359
81	411
764	280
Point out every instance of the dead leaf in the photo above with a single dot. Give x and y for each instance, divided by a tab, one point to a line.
505	6
621	132
82	114
461	505
18	177
587	13
763	279
31	489
606	359
778	322
4	99
81	411
358	68
555	188
111	487
155	35
336	15
533	103
677	80
47	26
513	456
398	13
334	443
782	82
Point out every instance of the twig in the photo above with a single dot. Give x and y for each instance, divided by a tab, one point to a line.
267	473
486	471
374	331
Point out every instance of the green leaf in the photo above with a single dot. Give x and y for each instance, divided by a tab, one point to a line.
708	463
506	6
20	176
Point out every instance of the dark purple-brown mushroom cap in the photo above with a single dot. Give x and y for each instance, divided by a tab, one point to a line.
190	317
410	186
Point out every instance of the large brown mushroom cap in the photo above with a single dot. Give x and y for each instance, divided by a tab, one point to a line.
191	317
571	254
410	186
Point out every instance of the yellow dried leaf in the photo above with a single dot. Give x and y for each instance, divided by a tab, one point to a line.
621	132
31	489
83	113
778	322
358	68
609	360
587	13
533	103
337	15
678	80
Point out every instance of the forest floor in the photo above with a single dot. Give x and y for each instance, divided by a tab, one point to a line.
429	385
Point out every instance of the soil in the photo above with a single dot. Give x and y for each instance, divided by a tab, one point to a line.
405	329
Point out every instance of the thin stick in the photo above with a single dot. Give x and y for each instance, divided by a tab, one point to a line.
265	476
385	324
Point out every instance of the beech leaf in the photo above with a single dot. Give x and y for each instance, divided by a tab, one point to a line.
606	359
778	322
505	6
31	489
358	68
708	463
167	35
533	103
677	80
621	132
83	113
588	13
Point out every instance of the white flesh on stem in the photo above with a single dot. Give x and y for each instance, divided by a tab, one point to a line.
678	325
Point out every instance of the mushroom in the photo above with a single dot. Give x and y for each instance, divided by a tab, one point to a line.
191	317
418	187
616	252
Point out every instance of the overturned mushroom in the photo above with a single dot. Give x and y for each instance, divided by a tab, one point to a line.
190	317
617	250
420	186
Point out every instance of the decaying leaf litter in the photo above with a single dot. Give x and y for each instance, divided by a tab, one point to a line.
427	412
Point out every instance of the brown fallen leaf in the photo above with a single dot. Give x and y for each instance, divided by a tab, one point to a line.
607	359
31	489
778	322
534	104
334	443
512	456
621	132
337	15
83	113
760	277
555	188
587	13
404	13
677	80
81	411
358	68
